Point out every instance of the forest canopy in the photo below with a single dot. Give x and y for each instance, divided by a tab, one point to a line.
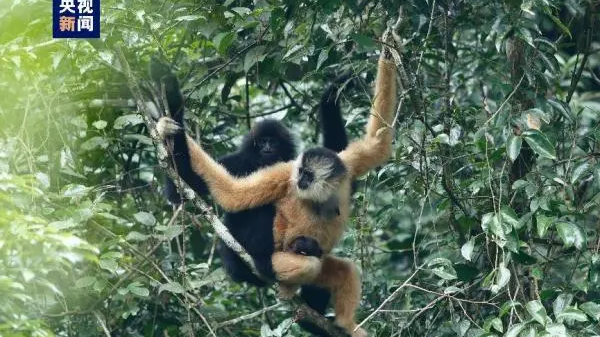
485	222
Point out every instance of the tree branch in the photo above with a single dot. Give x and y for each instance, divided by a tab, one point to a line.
302	310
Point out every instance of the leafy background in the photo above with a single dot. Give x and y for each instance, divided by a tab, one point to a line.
485	223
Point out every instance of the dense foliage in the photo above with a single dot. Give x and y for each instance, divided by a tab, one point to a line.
485	223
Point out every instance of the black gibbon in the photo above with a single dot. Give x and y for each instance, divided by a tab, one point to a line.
311	197
267	143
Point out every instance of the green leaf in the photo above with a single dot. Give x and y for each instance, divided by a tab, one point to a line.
579	171
100	124
138	290
145	218
540	144
560	25
292	51
172	231
543	223
85	282
442	268
71	191
563	108
557	330
136	236
127	120
515	330
502	278
110	265
592	309
572	314
97	142
467	249
452	290
513	147
497	324
173	287
222	41
571	234
539	113
323	56
253	56
538	312
562	301
510	217
189	17
526	35
364	41
491	224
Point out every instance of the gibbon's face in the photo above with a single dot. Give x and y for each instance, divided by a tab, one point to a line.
269	142
268	148
317	174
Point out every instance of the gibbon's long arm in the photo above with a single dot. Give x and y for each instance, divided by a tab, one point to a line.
375	147
236	194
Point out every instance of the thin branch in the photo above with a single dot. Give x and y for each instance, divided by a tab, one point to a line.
204	208
102	324
233	58
248	316
388	299
588	41
302	310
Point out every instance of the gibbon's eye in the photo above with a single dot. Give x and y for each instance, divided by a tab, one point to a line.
305	178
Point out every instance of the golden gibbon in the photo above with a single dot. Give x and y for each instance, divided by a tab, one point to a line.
311	196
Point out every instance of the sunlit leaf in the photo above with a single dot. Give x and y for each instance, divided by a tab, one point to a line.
513	147
571	234
561	302
145	218
540	144
173	287
467	249
592	309
572	314
253	56
537	311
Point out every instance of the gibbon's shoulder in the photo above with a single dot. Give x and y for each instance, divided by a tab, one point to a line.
281	171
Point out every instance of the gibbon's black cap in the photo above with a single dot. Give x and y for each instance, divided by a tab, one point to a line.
271	128
324	156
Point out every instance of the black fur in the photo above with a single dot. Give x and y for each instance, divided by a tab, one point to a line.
253	228
338	168
305	245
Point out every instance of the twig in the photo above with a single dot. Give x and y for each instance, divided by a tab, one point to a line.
248	316
302	310
233	58
388	299
204	208
588	40
102	324
426	38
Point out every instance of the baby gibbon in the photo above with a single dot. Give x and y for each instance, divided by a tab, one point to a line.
311	197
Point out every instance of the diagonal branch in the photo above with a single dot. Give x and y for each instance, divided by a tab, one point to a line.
302	311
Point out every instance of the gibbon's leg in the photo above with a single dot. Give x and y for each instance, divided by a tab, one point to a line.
291	268
342	278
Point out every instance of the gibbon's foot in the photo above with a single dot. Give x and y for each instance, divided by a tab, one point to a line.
305	245
167	127
294	268
286	291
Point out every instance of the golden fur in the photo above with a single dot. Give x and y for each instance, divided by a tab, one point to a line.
274	184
